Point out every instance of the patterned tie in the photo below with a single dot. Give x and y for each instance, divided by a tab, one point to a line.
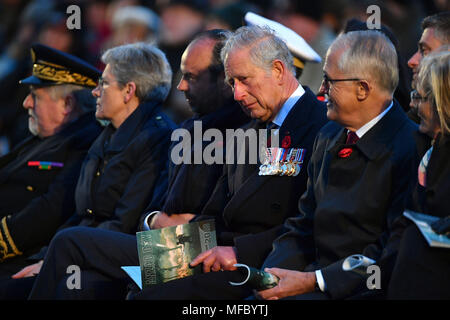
352	137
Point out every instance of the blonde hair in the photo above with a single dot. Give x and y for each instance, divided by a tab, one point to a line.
434	77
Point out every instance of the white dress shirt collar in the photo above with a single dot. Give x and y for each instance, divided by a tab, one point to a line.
362	131
287	106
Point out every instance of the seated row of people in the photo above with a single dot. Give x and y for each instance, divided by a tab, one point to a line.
357	175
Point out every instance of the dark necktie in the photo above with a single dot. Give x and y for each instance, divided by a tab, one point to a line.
270	126
352	137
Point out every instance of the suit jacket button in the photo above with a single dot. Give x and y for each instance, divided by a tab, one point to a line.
30	188
89	211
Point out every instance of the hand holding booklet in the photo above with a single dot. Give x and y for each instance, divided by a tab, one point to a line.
424	222
165	254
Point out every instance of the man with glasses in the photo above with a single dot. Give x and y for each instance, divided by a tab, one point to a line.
359	176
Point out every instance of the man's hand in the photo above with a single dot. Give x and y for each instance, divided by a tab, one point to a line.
216	259
28	271
162	219
291	283
442	226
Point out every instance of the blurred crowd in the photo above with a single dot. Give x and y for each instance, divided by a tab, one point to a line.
171	24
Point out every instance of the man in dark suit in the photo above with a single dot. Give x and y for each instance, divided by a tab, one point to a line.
248	206
359	176
38	177
244	203
202	71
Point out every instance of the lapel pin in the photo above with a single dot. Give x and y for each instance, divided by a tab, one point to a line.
345	152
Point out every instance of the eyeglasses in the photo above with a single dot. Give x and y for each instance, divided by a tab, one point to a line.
416	98
103	82
327	81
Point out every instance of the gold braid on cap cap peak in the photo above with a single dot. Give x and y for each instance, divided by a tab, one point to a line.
298	63
8	248
59	75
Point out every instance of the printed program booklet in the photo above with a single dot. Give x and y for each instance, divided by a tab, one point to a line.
165	254
423	222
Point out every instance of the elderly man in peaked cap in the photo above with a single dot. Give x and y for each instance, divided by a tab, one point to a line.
38	177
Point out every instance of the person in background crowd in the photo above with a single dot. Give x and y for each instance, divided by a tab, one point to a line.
436	32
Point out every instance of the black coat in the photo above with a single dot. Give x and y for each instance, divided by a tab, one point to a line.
250	207
34	202
191	185
351	203
421	272
433	199
124	170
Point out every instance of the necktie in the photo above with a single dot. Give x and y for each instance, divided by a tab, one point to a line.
270	126
352	137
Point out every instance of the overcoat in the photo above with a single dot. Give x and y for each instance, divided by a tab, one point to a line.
125	169
351	202
37	184
421	272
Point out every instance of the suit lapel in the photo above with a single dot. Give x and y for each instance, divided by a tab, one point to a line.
239	173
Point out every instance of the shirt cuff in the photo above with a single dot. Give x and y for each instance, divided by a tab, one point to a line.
320	281
148	219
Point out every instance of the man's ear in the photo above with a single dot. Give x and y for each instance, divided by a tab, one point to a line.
278	70
129	91
363	90
69	104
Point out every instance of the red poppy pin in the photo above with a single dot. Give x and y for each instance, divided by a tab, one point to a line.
345	152
286	142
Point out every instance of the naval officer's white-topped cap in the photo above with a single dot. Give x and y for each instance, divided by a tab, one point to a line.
299	48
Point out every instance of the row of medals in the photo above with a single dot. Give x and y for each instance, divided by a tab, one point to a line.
282	162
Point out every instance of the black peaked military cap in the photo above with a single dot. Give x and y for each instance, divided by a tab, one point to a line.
53	67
